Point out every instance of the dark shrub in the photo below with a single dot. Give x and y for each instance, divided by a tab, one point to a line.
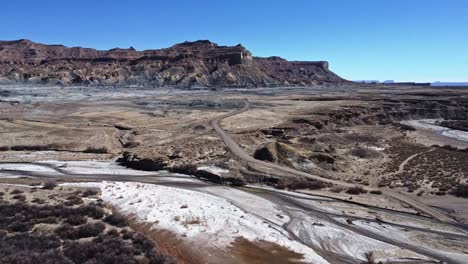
336	189
113	232
142	242
18	246
30	242
49	185
378	192
73	200
66	231
19	197
29	148
105	250
87	230
365	153
404	127
19	226
189	169
307	184
116	219
127	234
76	220
101	150
89	192
38	201
16	191
90	230
460	190
48	220
91	210
355	190
131	144
81	252
302	183
31	257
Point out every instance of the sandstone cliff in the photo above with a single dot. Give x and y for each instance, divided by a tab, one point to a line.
189	64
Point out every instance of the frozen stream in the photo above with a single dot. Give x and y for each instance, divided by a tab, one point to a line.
429	124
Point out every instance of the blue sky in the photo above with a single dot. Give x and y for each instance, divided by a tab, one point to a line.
410	40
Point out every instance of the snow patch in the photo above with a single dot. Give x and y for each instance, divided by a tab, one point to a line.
429	124
401	236
8	176
250	203
334	238
95	167
213	169
25	167
200	216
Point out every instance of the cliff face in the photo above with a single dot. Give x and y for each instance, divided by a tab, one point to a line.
189	64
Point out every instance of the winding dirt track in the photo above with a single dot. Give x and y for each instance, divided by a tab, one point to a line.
258	164
280	170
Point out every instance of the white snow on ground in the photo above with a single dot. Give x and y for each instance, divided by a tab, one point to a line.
458	134
250	203
198	216
36	154
170	178
400	235
377	148
95	167
8	175
289	193
82	184
25	167
213	169
333	238
322	234
217	215
429	124
424	124
21	185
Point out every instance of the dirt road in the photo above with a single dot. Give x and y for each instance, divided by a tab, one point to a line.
278	170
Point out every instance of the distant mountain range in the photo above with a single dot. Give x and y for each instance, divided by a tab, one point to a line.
189	64
416	83
449	84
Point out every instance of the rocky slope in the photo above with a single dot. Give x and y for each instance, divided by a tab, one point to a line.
189	64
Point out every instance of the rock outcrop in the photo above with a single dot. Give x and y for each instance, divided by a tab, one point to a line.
189	64
387	111
279	153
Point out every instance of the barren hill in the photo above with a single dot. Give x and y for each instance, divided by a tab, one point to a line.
189	64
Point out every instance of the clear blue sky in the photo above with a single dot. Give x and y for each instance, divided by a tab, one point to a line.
404	40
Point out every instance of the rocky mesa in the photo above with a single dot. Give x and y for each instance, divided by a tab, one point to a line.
189	64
